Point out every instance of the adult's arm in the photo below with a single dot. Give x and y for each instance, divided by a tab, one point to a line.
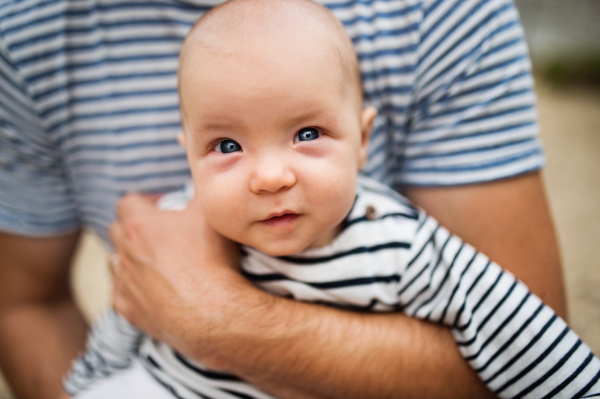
173	285
41	329
180	291
511	221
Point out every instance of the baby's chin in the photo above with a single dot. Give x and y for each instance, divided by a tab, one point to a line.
280	250
277	249
292	246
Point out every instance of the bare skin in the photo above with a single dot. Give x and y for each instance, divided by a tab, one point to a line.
216	317
41	329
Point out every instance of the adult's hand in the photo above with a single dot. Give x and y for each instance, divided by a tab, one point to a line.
177	280
174	274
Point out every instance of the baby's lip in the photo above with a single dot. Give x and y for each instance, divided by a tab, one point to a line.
281	220
280	214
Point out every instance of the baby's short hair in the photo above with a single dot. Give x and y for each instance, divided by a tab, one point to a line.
246	24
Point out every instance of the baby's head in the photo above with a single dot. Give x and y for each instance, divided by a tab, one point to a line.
274	129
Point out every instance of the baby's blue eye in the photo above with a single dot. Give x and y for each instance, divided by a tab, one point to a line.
228	146
307	134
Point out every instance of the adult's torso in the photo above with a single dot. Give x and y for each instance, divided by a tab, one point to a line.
99	78
102	76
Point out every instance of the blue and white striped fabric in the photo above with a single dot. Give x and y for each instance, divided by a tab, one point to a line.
400	259
89	107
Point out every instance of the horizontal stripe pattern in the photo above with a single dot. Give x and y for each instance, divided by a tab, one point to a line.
89	107
515	343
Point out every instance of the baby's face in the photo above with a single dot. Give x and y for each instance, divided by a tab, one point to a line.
274	145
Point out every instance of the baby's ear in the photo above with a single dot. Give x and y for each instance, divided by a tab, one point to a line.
181	139
367	121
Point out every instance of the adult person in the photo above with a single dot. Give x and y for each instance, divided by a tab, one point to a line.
88	93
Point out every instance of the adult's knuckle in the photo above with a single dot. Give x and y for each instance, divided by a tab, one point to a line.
132	226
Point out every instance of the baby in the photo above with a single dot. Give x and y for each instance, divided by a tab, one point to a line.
275	133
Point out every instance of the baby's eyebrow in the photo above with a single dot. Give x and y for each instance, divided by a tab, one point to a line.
307	116
218	126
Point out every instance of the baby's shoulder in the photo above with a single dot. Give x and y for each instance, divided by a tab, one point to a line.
375	199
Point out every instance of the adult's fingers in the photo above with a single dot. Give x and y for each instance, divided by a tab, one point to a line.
121	238
114	261
127	277
129	302
126	243
133	204
124	303
120	241
126	298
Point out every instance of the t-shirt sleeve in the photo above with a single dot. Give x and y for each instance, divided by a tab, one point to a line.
35	197
473	118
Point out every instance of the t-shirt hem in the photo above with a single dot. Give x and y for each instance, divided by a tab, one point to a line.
443	182
28	232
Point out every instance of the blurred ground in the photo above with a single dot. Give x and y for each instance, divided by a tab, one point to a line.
570	121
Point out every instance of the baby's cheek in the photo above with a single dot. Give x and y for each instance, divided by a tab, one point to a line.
219	205
337	193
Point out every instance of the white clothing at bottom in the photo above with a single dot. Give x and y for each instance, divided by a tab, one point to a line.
133	383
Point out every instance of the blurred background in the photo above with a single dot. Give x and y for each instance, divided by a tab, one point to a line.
564	42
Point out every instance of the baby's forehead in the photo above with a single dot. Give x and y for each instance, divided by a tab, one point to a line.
266	18
270	29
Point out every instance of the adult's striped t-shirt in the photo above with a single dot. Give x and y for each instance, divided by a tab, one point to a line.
89	106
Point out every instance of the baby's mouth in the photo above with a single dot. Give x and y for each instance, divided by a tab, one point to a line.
281	219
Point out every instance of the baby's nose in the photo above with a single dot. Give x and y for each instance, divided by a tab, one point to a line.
271	175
